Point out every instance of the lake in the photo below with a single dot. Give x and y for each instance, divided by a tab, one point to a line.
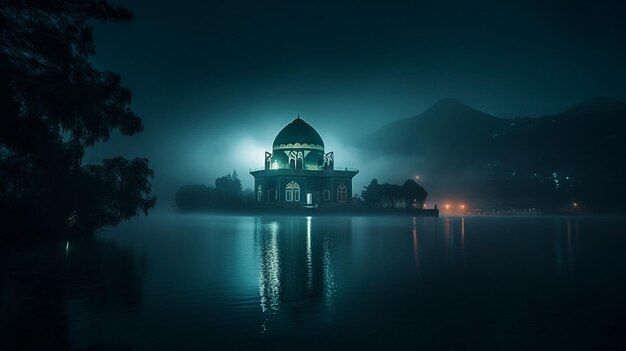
169	281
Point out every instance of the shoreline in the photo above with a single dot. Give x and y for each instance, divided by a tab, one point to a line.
321	211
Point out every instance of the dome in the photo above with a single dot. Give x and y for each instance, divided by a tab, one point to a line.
298	135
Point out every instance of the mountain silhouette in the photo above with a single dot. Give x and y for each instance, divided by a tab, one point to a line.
449	129
595	106
575	154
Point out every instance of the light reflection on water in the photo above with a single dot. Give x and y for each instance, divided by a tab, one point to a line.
416	253
338	282
309	256
329	274
269	277
566	234
296	263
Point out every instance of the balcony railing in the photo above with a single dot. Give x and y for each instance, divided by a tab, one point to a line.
341	168
337	168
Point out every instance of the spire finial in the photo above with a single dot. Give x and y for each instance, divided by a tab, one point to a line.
298	115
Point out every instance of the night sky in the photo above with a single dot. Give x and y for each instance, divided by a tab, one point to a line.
215	82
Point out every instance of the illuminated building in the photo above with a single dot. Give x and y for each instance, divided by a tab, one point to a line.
299	172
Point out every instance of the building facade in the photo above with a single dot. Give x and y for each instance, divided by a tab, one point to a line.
299	173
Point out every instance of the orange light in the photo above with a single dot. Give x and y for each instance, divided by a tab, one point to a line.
447	206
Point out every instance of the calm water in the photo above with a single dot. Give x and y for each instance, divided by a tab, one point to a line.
206	282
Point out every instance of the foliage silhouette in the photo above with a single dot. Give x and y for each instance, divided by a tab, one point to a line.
226	194
410	194
54	103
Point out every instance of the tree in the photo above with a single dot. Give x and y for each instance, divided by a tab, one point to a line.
413	193
54	103
372	194
392	195
228	190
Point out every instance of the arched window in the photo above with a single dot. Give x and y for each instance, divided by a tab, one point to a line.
259	194
342	193
296	159
292	192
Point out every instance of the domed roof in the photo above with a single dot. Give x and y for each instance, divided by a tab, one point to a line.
298	132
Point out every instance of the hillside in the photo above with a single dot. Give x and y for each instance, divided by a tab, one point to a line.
573	156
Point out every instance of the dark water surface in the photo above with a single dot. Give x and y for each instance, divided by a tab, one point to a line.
170	282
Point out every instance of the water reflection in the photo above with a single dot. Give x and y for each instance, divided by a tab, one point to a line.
269	279
463	233
566	235
297	262
454	239
309	256
49	292
322	283
329	274
416	254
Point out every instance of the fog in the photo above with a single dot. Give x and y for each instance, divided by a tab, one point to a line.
214	83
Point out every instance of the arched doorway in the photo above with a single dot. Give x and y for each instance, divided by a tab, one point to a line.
342	193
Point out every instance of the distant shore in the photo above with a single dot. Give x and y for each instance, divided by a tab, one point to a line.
324	211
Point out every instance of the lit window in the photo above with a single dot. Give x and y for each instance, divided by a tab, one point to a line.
259	194
342	193
292	192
